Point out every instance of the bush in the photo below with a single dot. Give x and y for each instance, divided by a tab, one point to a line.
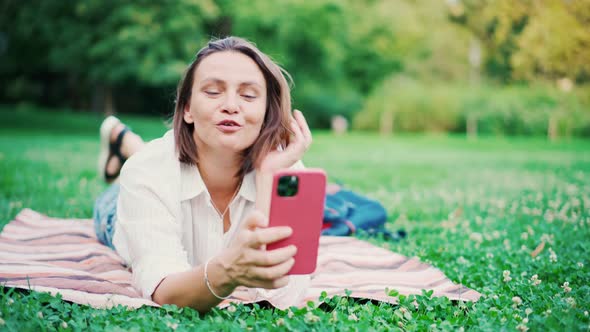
319	102
505	110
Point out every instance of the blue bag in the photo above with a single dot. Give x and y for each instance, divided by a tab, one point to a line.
346	213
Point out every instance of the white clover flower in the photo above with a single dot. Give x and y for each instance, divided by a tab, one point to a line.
566	287
2	322
523	274
548	312
524	235
290	314
40	314
506	243
64	325
10	301
549	217
231	309
552	256
547	238
530	230
528	311
334	316
522	328
525	320
506	275
586	313
461	260
570	301
476	237
490	255
516	301
280	321
580	265
353	317
173	326
535	281
310	317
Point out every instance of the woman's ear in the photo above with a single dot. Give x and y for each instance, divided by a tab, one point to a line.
188	116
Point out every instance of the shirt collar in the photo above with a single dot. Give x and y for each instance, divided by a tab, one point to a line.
192	184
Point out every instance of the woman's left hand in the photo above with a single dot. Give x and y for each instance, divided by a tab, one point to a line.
299	143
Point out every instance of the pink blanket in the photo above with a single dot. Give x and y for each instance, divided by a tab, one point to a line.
63	256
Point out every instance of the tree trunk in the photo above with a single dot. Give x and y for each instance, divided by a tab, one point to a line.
109	103
552	128
386	122
471	126
98	99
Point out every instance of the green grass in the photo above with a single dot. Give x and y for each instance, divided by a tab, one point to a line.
474	209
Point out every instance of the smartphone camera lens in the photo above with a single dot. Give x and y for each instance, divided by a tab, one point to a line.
288	186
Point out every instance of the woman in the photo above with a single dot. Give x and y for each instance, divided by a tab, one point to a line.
191	215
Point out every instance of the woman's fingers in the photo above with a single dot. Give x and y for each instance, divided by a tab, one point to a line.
272	257
254	220
270	274
268	284
304	127
262	236
296	146
301	136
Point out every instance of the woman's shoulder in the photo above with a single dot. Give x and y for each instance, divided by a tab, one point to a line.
156	161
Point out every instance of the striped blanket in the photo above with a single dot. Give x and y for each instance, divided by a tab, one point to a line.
63	256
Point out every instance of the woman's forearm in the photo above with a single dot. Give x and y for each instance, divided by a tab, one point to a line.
263	191
190	289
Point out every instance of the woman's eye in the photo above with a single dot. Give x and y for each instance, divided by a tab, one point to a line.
249	96
212	93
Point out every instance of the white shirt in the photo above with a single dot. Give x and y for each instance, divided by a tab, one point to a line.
166	223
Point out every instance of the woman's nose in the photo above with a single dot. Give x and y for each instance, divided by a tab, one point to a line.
230	103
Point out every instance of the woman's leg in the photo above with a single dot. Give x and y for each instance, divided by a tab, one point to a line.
105	215
130	143
105	207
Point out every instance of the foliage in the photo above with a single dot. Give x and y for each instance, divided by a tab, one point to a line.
127	56
96	44
509	109
473	209
545	39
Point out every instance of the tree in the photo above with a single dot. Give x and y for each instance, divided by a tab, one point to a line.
531	39
104	44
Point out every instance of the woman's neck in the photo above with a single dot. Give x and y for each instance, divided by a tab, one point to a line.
218	172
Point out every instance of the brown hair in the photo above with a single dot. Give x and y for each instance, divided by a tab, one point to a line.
275	128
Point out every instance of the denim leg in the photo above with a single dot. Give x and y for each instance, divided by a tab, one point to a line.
105	215
366	213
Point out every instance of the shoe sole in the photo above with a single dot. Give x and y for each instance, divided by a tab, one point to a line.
106	128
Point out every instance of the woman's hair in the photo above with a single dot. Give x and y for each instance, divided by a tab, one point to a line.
275	128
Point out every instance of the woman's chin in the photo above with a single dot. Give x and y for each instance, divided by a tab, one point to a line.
235	147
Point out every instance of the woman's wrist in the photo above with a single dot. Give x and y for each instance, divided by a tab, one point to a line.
219	280
263	191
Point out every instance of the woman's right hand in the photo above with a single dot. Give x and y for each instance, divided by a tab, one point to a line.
300	142
247	262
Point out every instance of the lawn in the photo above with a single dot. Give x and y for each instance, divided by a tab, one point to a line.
475	209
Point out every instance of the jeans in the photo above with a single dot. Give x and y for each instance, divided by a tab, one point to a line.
105	215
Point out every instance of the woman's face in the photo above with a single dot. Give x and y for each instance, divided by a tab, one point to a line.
228	102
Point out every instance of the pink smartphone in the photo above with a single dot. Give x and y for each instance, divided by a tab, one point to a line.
298	201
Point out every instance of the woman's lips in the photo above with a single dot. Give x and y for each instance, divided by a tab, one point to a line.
228	127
